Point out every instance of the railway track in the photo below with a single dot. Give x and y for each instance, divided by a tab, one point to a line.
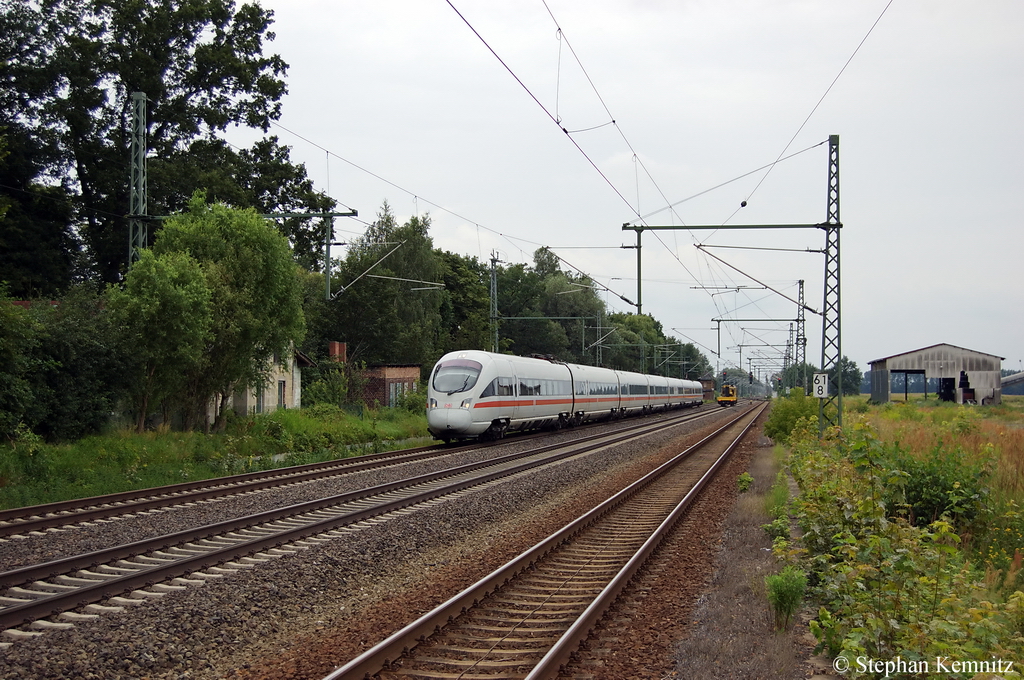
526	619
20	521
37	597
64	514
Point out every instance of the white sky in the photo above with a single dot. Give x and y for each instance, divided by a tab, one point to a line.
929	114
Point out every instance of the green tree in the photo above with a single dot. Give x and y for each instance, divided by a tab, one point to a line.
60	373
261	177
5	202
164	319
255	293
71	68
19	336
519	296
799	375
851	375
385	319
465	308
635	342
39	251
680	360
80	377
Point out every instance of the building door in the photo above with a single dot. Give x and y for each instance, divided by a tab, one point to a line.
947	389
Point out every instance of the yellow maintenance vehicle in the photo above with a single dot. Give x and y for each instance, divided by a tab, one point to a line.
727	396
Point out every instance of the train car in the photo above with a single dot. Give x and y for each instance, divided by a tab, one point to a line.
728	396
479	394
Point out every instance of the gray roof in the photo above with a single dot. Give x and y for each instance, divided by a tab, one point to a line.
936	347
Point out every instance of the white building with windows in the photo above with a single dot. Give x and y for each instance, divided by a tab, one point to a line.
282	390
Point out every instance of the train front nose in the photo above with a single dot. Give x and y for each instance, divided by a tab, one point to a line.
449	421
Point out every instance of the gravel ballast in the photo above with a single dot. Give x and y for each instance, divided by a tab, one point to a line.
299	616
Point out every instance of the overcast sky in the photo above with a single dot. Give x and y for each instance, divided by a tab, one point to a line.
929	112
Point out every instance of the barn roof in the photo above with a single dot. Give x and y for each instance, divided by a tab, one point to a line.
941	345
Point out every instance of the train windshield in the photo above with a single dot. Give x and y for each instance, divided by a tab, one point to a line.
456	375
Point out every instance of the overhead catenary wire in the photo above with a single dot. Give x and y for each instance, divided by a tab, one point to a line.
782	154
508	237
820	99
553	118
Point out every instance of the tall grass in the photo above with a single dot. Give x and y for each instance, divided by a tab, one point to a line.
995	438
987	441
33	472
912	531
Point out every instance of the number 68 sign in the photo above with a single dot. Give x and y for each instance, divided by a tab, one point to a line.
821	385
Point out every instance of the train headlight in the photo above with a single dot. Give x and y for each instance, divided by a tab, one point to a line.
432	403
466	403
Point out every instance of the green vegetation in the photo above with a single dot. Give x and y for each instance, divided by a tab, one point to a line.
254	298
178	332
776	504
744	481
912	535
785	593
788	412
33	472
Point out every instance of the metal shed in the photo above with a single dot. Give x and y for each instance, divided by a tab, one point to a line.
964	375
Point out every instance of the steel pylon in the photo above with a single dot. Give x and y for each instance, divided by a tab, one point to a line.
830	409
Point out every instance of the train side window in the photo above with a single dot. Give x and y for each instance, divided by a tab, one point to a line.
491	389
506	387
528	390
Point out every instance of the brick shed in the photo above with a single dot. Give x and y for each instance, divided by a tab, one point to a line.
384	384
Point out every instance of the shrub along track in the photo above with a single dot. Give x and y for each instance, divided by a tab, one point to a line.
528	618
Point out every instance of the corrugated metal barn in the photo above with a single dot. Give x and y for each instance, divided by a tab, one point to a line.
964	375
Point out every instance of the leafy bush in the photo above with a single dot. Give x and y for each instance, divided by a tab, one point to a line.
744	481
889	588
944	482
777	528
787	411
413	402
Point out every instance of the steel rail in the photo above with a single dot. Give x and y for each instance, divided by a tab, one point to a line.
61	513
559	655
378	657
17	521
145	575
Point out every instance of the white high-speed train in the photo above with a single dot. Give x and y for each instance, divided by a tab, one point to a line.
480	394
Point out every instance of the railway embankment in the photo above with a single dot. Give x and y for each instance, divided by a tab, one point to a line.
911	536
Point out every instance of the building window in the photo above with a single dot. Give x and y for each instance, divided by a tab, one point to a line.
259	400
281	389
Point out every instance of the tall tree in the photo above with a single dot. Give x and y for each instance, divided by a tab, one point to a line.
384	307
164	319
465	304
39	251
72	68
255	294
19	336
799	375
851	374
